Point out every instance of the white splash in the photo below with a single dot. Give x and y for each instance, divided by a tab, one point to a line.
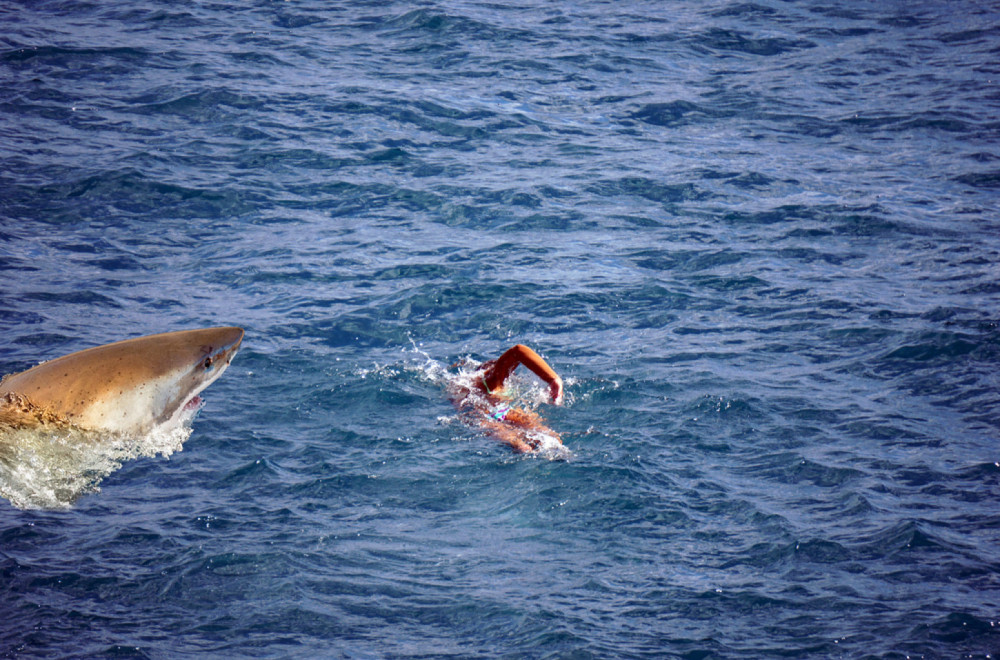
51	468
550	447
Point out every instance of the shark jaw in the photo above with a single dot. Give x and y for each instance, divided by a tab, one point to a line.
128	387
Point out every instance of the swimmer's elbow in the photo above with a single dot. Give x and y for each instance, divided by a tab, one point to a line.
525	355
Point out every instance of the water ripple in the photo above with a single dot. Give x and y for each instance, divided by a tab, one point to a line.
756	239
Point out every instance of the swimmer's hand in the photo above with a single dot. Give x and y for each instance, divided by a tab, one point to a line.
556	391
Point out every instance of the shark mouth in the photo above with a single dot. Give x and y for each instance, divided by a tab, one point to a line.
181	416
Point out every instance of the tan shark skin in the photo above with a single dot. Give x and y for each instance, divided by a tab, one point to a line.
126	387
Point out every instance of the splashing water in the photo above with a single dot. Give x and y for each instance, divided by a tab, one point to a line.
50	467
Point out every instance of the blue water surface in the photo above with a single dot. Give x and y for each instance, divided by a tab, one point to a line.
759	240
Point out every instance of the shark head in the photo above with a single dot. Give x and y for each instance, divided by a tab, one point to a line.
129	386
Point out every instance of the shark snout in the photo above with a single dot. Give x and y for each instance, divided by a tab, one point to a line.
221	343
230	339
224	347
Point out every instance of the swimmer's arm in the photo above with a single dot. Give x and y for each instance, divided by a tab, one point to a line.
556	391
521	354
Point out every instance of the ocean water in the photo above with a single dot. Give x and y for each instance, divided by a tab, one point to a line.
760	241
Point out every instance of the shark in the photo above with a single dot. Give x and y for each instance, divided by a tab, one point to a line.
127	387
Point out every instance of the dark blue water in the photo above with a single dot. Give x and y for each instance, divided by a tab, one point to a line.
760	242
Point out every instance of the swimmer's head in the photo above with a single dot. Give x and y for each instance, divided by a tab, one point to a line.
465	363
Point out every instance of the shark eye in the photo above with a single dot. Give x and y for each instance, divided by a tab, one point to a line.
207	364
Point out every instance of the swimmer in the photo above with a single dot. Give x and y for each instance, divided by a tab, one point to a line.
522	429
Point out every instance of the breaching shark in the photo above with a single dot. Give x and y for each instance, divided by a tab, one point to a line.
128	387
